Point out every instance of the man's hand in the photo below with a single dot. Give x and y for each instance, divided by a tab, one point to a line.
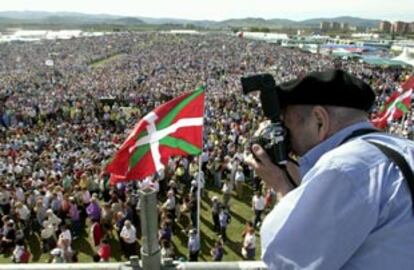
271	174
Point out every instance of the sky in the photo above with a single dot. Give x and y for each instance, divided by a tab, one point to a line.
225	9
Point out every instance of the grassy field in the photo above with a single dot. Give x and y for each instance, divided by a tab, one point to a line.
240	211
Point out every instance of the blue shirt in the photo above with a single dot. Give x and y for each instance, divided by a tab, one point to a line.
193	243
353	209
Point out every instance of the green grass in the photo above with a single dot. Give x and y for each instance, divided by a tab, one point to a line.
240	211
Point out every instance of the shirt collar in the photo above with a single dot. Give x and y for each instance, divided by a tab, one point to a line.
307	161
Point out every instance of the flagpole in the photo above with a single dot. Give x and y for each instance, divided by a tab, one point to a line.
199	171
198	195
402	124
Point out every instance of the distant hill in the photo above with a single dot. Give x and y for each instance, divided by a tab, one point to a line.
38	15
128	21
70	20
284	22
258	22
58	18
74	18
353	21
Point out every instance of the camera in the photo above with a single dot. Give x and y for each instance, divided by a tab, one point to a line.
273	137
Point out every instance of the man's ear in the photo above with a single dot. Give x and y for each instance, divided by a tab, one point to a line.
322	121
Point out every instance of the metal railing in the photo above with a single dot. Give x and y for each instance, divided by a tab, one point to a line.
66	266
240	265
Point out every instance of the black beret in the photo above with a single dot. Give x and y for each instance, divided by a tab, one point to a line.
331	87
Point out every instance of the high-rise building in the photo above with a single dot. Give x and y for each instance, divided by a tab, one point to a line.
385	26
411	28
324	26
399	27
335	25
345	26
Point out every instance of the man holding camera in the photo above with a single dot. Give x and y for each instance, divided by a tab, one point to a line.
353	207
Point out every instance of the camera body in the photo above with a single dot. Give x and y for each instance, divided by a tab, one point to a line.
273	137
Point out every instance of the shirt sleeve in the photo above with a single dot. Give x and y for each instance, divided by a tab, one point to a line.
124	233
322	223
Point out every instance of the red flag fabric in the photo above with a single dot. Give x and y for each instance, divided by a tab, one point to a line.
388	101
114	178
408	84
172	129
380	122
397	105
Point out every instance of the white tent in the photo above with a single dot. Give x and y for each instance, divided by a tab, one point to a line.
405	57
269	37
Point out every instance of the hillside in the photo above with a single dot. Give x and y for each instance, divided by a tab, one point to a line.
72	18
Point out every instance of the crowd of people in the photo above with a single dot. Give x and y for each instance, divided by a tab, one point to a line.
62	121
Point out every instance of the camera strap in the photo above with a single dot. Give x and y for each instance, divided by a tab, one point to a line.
354	134
358	133
396	157
289	177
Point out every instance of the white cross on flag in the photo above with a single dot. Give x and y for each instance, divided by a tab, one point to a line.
172	129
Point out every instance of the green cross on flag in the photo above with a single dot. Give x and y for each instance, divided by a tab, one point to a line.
172	129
